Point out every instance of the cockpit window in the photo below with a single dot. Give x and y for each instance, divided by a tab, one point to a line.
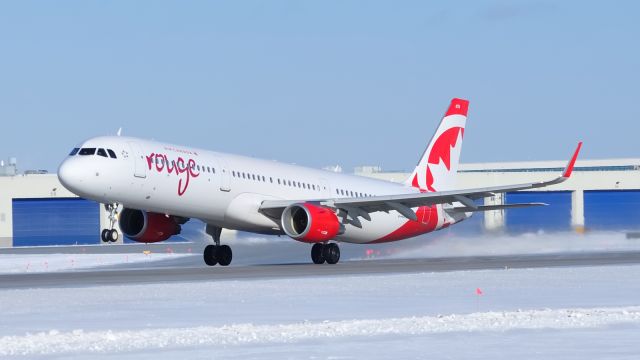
102	153
87	151
74	151
112	154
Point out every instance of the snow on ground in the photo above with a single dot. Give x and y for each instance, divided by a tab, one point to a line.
566	313
55	342
31	263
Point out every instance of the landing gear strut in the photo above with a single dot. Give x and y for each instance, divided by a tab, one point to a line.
217	254
325	252
111	234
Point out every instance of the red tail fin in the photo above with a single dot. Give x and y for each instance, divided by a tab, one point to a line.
438	166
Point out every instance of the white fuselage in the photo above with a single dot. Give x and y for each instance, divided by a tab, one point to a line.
226	190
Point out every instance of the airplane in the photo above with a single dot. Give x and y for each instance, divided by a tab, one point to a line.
160	186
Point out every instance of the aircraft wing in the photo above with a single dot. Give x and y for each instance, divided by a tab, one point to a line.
402	203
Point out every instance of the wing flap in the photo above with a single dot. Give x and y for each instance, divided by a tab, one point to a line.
494	207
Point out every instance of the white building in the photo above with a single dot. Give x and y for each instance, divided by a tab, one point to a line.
36	209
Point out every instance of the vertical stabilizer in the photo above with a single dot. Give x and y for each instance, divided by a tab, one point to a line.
438	167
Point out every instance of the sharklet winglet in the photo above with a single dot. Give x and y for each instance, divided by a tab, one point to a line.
569	168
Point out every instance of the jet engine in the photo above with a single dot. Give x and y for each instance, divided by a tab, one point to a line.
148	227
310	223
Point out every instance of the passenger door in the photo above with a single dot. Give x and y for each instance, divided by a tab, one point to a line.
140	170
225	176
326	189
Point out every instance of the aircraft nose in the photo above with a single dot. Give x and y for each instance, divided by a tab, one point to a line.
69	175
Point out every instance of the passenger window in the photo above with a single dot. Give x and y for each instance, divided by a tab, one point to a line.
87	151
271	179
74	151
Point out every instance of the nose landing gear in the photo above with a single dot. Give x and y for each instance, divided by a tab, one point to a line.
111	234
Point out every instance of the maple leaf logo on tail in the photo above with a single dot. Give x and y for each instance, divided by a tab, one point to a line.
438	166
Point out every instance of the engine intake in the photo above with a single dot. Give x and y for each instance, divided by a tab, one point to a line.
147	227
310	223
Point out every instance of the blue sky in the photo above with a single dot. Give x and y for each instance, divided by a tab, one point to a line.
321	83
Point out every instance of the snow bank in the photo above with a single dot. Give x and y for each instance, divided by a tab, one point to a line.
54	342
29	263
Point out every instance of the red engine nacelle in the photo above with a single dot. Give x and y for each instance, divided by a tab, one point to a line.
148	227
310	223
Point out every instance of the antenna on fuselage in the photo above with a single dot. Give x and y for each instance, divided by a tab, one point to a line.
119	131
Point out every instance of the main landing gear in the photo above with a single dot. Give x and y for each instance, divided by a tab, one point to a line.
111	234
325	252
217	254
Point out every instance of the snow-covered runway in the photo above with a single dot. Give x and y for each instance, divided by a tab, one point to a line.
529	313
